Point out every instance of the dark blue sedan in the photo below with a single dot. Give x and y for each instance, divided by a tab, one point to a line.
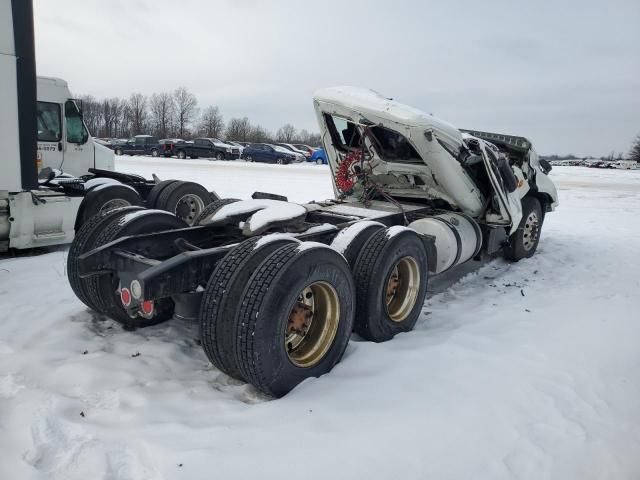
261	152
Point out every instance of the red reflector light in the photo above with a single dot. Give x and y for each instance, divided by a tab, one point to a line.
125	297
147	307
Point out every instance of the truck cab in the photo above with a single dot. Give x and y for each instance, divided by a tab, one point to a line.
64	142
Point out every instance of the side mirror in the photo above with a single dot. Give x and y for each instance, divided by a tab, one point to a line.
545	165
46	175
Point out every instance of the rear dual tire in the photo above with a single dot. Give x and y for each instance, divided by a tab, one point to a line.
390	274
101	292
291	321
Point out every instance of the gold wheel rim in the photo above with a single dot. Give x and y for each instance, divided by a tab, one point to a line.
402	288
312	324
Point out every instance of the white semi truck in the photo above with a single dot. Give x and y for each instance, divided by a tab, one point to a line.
53	175
278	287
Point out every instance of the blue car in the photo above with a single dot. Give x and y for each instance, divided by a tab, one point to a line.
261	152
319	157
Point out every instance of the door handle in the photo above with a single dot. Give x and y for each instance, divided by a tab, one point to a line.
59	146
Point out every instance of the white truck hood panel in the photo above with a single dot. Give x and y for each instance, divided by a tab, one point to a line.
443	176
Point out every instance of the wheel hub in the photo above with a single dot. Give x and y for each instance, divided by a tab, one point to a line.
312	324
189	207
530	231
402	288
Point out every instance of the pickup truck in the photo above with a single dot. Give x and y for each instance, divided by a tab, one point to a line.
277	287
207	148
138	145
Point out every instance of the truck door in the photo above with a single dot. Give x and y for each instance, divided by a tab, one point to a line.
509	202
211	149
138	146
49	121
78	150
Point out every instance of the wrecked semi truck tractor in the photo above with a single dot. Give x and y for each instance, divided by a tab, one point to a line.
278	287
54	175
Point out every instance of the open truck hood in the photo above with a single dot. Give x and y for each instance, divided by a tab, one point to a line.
433	174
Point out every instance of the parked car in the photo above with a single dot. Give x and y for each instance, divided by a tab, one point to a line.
299	155
262	152
236	144
168	146
294	149
304	148
138	145
319	157
208	148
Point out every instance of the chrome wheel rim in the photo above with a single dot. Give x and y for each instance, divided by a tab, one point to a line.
402	287
312	324
113	204
188	207
530	231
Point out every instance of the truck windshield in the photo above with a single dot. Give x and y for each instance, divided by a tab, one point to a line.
76	131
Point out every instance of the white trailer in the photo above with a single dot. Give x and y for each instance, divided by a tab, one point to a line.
54	175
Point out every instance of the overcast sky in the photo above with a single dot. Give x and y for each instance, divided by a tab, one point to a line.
566	74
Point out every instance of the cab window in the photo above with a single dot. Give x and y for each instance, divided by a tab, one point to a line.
76	131
49	122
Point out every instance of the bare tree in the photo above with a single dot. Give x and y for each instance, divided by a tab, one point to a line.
138	112
634	153
258	135
118	107
108	116
286	133
211	122
186	105
238	129
91	113
162	112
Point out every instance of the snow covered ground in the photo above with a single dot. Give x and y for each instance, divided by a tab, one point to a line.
528	370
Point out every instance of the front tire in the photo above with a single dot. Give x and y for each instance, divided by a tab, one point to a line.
523	243
219	156
154	152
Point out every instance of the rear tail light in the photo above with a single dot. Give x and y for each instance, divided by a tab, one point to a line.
125	297
146	308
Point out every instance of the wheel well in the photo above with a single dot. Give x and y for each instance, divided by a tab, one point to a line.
544	199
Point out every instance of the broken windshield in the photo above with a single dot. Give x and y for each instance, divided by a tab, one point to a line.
390	145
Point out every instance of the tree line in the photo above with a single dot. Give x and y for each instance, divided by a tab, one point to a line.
177	115
634	153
